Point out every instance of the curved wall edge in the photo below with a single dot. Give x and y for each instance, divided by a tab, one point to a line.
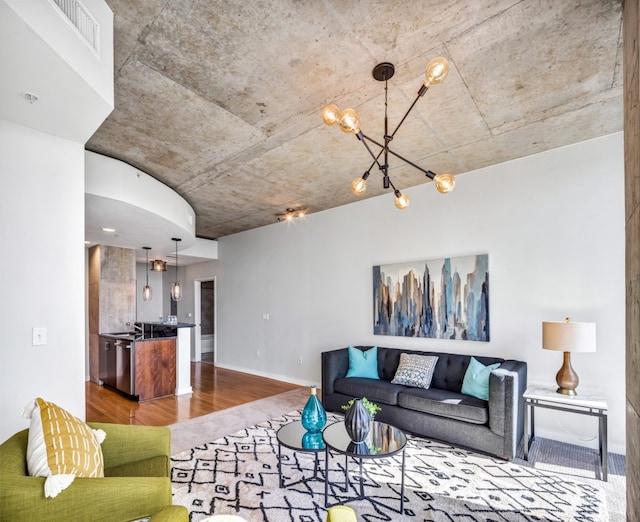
111	178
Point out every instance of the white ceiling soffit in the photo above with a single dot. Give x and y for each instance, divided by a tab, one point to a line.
49	70
141	210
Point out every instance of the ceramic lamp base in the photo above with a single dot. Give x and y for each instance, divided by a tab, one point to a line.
567	378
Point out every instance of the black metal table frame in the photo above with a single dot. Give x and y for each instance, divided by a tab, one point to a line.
601	413
360	458
316	463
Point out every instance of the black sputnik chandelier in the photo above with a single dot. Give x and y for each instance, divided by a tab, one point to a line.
349	122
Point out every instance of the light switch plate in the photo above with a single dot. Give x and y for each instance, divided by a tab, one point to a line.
39	337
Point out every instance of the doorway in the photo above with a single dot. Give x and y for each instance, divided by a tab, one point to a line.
205	319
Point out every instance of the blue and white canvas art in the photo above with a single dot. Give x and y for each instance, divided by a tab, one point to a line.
438	298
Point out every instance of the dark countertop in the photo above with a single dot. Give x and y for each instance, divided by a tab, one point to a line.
152	330
178	325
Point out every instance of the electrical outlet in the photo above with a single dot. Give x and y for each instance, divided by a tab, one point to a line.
39	336
300	360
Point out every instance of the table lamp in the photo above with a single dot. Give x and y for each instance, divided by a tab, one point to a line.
568	337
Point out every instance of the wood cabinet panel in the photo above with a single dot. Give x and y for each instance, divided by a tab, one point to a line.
155	368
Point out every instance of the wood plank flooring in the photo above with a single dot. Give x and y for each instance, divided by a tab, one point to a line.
213	389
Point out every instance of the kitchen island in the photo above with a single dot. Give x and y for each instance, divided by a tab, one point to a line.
151	362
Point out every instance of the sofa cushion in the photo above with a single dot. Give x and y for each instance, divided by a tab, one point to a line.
445	403
415	370
377	391
363	363
61	447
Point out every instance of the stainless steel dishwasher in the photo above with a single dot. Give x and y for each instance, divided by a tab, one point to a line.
124	367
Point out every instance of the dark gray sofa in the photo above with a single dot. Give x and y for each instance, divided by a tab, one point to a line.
440	412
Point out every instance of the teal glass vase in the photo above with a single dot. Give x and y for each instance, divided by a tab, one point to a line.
313	440
313	416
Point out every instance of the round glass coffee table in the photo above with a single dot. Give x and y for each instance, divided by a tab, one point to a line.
294	436
382	441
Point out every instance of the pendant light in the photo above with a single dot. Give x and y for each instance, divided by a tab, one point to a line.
146	291
176	287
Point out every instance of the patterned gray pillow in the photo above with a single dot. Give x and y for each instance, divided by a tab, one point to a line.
415	370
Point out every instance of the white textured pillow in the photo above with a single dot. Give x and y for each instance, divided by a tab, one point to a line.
415	370
61	447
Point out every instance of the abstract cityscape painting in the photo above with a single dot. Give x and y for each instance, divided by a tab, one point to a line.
438	298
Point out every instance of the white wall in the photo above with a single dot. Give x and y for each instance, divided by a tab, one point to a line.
42	270
552	224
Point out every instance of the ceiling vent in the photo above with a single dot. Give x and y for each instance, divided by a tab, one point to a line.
76	13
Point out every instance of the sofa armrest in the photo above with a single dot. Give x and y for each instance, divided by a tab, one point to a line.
506	404
335	365
95	499
125	444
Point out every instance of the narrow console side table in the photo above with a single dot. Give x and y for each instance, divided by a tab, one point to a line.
588	404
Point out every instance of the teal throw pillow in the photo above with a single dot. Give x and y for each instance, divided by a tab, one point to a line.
476	379
363	364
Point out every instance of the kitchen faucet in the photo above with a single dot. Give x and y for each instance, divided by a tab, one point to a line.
136	327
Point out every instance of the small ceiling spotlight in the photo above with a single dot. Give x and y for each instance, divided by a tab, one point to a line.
107	229
291	213
348	122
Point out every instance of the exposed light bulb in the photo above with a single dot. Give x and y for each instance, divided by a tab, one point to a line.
444	183
330	115
402	200
436	71
358	186
349	121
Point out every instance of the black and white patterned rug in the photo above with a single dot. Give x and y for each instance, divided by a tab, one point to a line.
238	474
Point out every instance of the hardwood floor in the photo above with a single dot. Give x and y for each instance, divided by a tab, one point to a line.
213	389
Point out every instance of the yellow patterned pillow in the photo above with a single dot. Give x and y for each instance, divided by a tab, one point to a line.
61	447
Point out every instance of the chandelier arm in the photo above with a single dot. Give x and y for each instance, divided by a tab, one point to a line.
362	138
406	114
428	173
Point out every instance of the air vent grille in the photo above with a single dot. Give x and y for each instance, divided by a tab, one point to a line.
82	20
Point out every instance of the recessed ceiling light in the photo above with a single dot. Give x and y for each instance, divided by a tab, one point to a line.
87	242
106	229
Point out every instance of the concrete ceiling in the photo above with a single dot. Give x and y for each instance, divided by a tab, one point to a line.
221	100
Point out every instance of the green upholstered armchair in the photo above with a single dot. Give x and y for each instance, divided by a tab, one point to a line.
136	484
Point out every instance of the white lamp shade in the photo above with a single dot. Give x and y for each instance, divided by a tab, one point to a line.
569	337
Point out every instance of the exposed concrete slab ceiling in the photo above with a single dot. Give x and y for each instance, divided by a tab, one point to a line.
221	100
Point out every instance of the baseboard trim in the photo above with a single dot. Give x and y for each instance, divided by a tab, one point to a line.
268	375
